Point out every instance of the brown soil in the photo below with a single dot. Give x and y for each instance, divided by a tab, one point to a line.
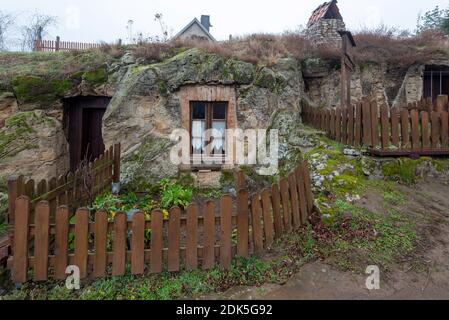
424	275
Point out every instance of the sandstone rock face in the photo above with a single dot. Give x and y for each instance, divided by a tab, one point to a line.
8	106
146	107
386	85
33	145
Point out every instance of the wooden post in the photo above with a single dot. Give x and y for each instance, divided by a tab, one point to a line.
344	81
13	194
441	103
58	41
117	153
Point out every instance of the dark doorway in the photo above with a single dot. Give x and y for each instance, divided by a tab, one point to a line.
83	119
436	81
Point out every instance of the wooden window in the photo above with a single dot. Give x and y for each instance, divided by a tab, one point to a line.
207	116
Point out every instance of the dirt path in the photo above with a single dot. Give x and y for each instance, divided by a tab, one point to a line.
423	276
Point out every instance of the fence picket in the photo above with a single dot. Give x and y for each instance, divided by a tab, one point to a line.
366	122
20	265
42	187
209	236
358	125
286	209
332	123
300	181
242	224
42	223
374	124
309	194
174	240
414	115
405	124
294	200
444	129
350	139
394	127
267	217
157	223
119	244
338	124
29	189
100	243
81	240
384	122
344	125
425	129
61	242
138	244
226	231
256	219
277	216
435	119
192	237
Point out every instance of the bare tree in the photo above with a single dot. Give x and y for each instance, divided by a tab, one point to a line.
87	178
36	29
6	22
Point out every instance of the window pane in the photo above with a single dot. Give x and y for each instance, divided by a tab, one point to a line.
219	136
199	110
220	111
198	142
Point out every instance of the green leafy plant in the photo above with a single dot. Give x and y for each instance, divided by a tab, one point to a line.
174	195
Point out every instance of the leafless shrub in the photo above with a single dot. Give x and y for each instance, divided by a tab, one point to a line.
113	50
87	179
37	28
389	46
6	22
382	45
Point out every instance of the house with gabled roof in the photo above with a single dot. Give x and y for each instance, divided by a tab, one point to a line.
197	30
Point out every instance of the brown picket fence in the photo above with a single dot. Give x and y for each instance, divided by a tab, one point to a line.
58	45
201	237
386	132
66	189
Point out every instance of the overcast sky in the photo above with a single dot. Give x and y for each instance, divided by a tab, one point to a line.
102	20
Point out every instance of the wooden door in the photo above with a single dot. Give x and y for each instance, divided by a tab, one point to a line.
84	123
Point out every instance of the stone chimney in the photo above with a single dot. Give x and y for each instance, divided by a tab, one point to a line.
205	21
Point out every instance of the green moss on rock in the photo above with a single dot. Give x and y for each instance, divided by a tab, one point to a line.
38	90
403	170
96	76
18	133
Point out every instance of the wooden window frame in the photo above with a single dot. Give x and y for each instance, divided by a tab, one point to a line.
209	120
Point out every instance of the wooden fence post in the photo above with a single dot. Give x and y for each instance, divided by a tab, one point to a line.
20	262
366	122
13	194
117	153
441	103
58	41
242	224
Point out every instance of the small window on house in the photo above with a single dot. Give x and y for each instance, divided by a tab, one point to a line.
436	81
208	128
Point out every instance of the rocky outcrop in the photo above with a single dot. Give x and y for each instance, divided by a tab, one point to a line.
34	145
8	106
146	107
